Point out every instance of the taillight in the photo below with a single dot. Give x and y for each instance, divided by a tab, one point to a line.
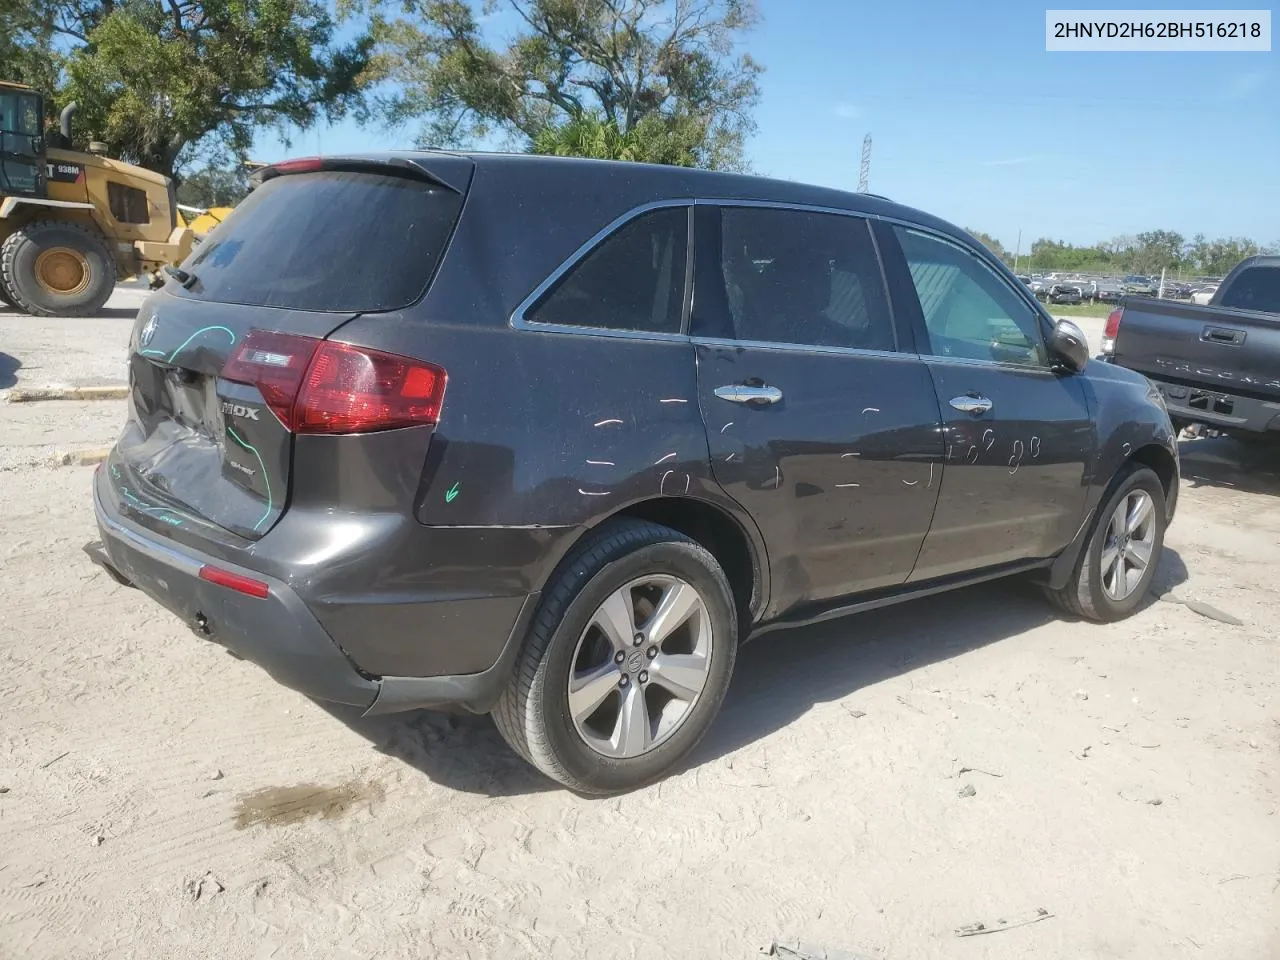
275	363
1112	330
352	390
234	581
319	386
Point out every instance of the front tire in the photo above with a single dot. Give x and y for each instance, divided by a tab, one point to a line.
57	268
626	663
1114	571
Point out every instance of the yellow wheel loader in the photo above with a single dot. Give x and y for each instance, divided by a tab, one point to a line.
73	223
203	219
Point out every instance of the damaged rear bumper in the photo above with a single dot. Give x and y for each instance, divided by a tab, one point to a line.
278	632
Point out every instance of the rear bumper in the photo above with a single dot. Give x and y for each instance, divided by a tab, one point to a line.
279	633
1219	409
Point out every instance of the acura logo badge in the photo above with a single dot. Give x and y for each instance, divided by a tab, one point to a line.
148	331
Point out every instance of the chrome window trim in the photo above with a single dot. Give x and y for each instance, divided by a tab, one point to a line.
802	348
519	321
1001	364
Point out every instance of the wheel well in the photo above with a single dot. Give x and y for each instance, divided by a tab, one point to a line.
1161	461
721	535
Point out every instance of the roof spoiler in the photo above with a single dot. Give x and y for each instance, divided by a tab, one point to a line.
451	172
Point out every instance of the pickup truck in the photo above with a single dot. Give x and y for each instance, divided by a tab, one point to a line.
1217	365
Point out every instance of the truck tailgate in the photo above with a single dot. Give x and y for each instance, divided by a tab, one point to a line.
1236	351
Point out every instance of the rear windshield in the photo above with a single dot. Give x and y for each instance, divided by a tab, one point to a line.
329	241
1257	288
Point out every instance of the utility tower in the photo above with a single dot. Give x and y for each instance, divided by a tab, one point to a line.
864	171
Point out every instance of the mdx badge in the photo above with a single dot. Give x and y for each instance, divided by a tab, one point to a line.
238	410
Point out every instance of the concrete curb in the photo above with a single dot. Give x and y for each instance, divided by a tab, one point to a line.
82	458
68	393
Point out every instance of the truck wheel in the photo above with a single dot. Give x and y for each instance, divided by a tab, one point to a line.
626	663
5	298
57	268
1114	571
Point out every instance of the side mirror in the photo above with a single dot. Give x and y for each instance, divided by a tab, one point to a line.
1068	346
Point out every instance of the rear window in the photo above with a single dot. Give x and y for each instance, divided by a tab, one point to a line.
1257	288
328	241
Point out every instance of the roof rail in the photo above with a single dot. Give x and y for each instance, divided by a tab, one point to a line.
876	196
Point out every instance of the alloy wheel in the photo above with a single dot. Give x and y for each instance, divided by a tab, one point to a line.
1130	542
640	666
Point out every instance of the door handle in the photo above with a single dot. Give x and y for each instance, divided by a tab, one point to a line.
741	393
971	403
1222	335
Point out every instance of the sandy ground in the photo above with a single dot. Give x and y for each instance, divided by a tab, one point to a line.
68	352
162	799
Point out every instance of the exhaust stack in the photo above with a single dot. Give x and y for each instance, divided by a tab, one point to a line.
64	120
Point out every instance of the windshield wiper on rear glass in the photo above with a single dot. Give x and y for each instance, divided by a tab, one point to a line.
182	276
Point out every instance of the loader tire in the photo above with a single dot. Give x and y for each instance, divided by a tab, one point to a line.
55	268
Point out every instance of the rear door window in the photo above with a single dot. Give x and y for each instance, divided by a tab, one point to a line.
633	280
327	241
800	277
1257	288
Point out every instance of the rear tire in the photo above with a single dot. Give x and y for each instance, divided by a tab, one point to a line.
641	728
1129	525
57	268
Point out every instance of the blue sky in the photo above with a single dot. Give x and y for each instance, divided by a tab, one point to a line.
974	121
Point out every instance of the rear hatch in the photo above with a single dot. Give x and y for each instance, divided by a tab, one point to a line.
229	361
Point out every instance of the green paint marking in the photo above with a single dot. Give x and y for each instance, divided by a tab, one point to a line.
184	343
451	494
158	513
266	482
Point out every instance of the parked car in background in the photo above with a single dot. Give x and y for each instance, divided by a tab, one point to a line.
1063	293
1216	365
1177	290
1108	291
557	471
1025	279
1140	286
1203	295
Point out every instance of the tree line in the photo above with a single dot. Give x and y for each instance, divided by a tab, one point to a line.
1143	253
185	85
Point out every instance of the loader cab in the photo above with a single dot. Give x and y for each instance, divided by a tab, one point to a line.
22	160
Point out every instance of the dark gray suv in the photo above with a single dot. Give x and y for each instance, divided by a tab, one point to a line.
549	438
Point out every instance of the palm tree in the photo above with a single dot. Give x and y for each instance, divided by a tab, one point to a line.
656	138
